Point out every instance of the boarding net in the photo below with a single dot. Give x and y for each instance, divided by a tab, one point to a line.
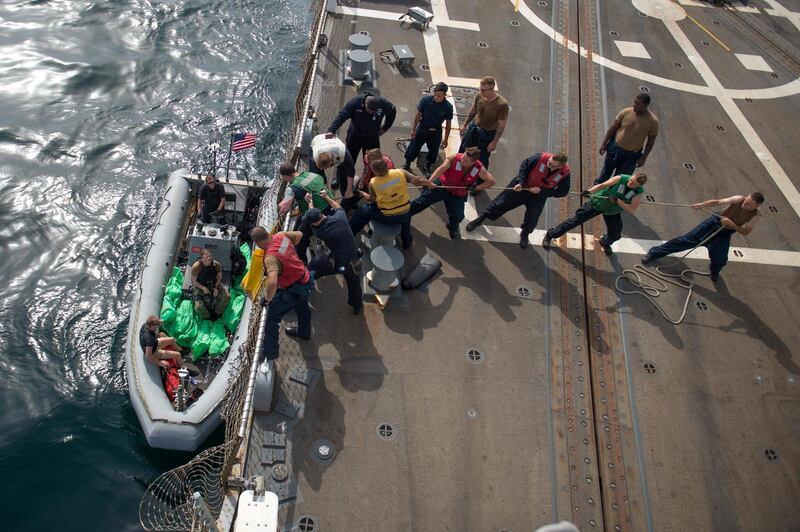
191	497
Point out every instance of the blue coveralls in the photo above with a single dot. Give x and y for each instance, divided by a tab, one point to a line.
717	247
294	297
452	203
618	161
364	130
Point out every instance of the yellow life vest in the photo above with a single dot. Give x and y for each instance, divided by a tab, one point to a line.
391	192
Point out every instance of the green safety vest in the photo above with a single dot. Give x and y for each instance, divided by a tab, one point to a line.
600	200
311	182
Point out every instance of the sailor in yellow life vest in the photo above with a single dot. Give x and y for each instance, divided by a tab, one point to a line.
388	200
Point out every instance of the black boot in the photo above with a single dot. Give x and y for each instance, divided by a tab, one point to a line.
523	240
475	223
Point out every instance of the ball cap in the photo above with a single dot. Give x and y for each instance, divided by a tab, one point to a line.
312	216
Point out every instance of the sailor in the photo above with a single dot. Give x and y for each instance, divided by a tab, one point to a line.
304	187
154	347
544	175
622	144
388	200
367	174
610	198
328	150
210	297
486	121
288	286
432	111
370	117
334	229
740	216
211	200
450	184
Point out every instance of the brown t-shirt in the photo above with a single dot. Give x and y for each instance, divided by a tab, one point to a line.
488	114
635	129
196	268
738	215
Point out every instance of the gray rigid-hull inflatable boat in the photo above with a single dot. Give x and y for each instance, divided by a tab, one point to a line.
177	236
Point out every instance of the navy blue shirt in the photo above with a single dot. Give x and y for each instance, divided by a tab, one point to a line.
434	114
361	122
210	197
336	233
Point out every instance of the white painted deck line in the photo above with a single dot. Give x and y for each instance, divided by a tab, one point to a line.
777	10
692	3
395	15
631	246
753	62
632	49
739	6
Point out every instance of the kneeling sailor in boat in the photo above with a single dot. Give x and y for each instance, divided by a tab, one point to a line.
154	347
288	286
210	297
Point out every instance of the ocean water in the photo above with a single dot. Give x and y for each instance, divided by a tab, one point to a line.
99	102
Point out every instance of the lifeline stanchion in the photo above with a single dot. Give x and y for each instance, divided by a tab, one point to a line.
650	290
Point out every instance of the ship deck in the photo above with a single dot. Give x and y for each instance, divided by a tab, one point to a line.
582	403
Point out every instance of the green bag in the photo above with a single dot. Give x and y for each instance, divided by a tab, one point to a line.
202	340
185	323
219	340
233	312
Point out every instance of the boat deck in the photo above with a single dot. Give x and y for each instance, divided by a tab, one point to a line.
519	388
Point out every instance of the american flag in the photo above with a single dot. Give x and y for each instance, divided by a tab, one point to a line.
242	141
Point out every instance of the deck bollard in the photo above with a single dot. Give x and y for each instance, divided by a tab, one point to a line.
383	234
387	261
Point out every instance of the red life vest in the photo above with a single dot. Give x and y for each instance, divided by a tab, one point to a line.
363	183
455	176
541	176
292	268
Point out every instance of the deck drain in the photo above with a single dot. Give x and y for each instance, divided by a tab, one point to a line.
424	67
644	88
322	451
542	3
472	413
475	356
715	22
280	472
677	65
759	379
385	431
701	305
771	455
613	33
689	166
482	44
705	43
719	128
649	368
738	253
306	523
650	197
524	292
773	208
515	23
535	79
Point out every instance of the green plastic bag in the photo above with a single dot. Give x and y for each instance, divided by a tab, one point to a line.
185	324
202	340
174	288
233	312
219	340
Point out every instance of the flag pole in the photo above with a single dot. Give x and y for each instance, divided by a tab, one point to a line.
228	164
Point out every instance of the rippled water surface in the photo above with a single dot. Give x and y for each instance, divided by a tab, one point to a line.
99	102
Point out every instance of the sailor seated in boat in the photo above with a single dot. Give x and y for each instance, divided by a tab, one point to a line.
210	297
154	347
211	201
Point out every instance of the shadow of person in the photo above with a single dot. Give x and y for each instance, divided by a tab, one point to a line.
746	321
426	315
468	258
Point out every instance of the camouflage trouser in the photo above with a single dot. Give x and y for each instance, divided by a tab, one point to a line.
218	304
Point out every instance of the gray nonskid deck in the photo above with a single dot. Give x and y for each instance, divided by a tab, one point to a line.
462	410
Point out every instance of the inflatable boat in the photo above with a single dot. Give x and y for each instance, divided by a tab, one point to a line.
179	409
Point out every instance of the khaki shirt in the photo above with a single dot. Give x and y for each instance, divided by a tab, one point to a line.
488	114
635	129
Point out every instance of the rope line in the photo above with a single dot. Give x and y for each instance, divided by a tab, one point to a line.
660	280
